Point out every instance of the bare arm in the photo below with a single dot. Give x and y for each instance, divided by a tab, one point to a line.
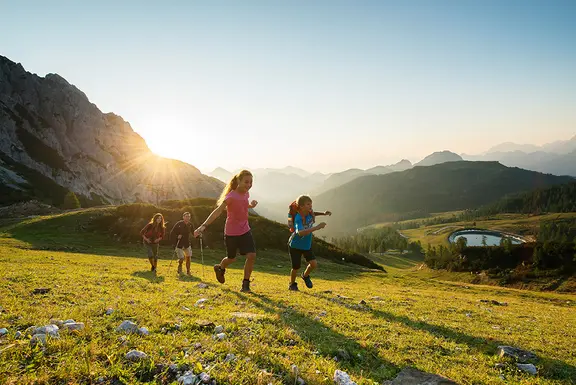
320	226
211	218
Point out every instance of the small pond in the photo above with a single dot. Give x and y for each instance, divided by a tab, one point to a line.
475	237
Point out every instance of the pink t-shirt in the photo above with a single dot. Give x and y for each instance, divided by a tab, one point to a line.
237	213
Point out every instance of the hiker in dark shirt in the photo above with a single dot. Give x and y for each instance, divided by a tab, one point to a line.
180	237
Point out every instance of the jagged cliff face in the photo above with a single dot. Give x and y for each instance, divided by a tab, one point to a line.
49	127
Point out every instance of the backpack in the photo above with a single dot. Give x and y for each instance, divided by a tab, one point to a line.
292	211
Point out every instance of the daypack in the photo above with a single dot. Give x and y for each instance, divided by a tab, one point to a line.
292	211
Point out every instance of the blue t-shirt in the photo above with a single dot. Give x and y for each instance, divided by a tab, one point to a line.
298	242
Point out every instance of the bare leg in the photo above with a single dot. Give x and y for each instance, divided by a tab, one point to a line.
293	275
188	264
249	265
311	266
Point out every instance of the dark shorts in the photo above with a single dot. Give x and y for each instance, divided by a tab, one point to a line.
242	244
296	256
152	249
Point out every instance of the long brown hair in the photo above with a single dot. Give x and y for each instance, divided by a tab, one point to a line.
232	185
155	225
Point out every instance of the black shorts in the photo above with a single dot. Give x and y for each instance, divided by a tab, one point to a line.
239	243
296	256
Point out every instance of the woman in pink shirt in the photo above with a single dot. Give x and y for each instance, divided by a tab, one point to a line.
237	234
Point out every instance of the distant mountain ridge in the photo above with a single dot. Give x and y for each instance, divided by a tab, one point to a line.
442	187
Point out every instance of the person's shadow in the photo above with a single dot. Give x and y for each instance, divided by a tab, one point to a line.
358	360
149	275
555	369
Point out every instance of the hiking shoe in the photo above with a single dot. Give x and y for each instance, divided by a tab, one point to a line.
307	281
246	286
220	273
293	286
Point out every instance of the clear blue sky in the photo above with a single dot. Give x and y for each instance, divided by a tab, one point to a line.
323	85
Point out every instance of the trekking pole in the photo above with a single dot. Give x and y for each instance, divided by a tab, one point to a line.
202	255
173	255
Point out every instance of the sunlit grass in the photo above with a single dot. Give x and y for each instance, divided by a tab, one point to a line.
410	319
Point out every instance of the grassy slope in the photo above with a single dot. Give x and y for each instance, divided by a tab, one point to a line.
437	326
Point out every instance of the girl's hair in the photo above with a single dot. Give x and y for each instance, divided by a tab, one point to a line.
153	221
232	185
303	199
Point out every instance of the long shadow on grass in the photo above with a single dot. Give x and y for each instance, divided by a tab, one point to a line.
554	369
327	341
149	275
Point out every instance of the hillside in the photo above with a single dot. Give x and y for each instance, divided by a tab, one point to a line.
370	325
444	187
438	158
555	199
54	140
123	224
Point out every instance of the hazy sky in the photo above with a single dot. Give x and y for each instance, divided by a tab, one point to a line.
323	85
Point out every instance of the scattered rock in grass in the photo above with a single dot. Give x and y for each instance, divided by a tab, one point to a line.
73	326
494	302
197	346
136	355
300	381
230	357
218	329
38	339
521	356
56	322
3	332
362	302
528	368
200	302
128	327
202	285
173	369
415	376
51	330
500	366
41	290
342	378
143	331
189	378
220	336
322	313
204	377
109	311
248	316
202	323
18	335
